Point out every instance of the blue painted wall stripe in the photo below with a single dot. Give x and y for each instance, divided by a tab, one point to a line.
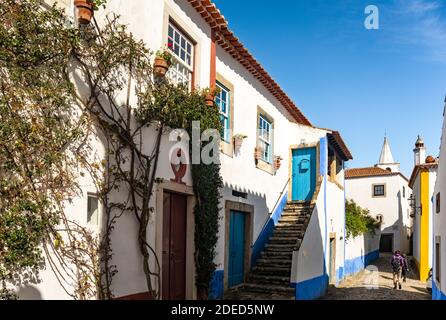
357	264
312	289
436	292
216	289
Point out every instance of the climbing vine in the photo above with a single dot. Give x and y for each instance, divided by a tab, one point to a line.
76	88
358	221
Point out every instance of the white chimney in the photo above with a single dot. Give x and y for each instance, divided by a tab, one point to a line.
419	152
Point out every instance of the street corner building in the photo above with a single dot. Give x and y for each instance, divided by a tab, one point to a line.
384	191
422	182
439	222
282	219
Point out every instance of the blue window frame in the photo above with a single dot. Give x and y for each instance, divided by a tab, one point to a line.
265	139
223	102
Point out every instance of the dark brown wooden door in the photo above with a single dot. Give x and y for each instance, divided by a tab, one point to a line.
174	246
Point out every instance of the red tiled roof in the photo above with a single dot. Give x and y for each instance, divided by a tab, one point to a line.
366	172
420	167
231	44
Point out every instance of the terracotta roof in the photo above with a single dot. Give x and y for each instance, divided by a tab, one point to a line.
420	167
366	172
226	39
336	140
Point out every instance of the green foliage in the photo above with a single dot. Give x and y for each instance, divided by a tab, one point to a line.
358	221
38	130
98	3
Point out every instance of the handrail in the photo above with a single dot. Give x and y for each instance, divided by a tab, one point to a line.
275	206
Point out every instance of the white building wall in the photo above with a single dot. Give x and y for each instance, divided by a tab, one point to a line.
394	207
439	224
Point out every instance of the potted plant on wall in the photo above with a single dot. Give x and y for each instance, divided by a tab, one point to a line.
258	153
238	141
86	8
210	97
277	162
163	61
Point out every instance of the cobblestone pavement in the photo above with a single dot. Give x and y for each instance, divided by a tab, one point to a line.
359	286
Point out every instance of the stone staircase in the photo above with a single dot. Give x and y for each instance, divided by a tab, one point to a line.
270	278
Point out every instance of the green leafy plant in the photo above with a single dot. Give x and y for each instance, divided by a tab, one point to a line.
358	221
98	3
166	54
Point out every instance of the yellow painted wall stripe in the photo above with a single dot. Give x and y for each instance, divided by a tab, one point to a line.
424	228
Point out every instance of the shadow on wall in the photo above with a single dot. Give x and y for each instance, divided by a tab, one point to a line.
312	277
29	292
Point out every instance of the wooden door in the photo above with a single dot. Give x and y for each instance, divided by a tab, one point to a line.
303	174
386	243
236	265
174	246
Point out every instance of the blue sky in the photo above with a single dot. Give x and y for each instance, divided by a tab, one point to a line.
342	76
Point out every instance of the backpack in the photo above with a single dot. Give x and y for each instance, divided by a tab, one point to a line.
396	263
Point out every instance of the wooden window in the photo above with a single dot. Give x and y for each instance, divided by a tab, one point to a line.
182	47
379	190
404	192
265	141
437	203
92	209
224	103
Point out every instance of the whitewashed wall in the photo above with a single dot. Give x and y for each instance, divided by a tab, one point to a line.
439	222
394	207
360	251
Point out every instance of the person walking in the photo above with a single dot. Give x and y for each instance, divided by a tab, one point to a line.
397	268
405	267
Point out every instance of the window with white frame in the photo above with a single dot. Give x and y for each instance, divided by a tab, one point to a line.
265	138
223	102
92	209
183	52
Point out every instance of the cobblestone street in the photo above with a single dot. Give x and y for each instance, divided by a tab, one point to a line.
358	286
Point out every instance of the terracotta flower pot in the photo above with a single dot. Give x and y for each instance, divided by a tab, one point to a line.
257	153
277	163
84	11
160	66
210	100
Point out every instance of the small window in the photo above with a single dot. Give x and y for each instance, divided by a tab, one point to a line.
379	190
92	209
183	51
223	102
404	192
265	139
437	260
437	203
379	218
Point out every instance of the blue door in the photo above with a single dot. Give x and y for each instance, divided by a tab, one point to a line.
303	174
236	265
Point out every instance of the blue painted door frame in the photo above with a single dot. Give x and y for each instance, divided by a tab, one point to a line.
303	173
236	265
